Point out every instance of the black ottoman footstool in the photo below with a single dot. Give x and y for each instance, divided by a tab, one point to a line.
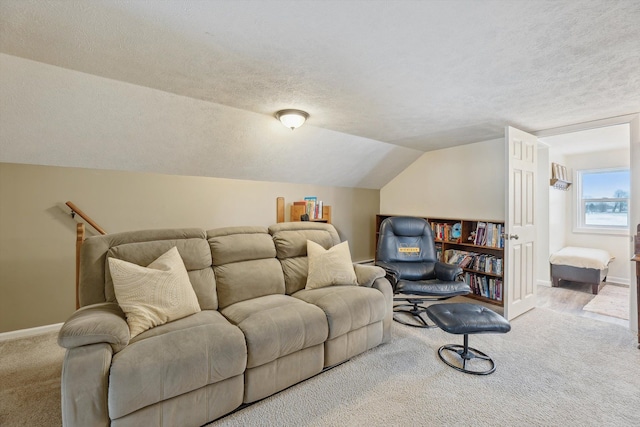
460	318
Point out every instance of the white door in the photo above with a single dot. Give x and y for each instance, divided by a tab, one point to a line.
520	230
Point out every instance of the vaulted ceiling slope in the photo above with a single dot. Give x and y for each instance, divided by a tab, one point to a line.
383	81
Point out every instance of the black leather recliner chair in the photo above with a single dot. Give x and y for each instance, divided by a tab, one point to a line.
406	251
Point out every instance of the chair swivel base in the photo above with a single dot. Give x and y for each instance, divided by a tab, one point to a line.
414	310
465	353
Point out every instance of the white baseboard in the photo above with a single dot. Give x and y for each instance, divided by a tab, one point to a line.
23	333
618	280
544	283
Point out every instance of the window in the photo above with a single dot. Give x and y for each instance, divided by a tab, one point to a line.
603	200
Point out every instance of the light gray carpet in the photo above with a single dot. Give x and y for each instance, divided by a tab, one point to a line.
30	371
553	369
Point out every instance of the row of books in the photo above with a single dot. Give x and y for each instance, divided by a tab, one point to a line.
489	234
442	231
438	251
480	262
485	286
313	207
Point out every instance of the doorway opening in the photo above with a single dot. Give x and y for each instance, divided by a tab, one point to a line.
563	213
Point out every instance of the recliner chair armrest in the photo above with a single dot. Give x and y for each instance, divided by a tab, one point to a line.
391	272
448	272
93	324
367	274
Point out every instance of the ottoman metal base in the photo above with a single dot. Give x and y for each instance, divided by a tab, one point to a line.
465	319
464	353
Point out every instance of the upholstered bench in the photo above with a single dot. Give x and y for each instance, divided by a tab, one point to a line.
461	318
583	265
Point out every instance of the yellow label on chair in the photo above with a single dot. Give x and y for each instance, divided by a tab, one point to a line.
409	250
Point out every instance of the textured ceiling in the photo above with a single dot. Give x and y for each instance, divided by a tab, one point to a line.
417	74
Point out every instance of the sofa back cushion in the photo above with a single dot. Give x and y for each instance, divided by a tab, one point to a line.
244	263
290	240
142	248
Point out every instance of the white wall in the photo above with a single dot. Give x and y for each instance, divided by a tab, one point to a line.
559	204
542	215
616	245
634	215
461	182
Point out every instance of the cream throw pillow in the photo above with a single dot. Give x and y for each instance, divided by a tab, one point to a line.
329	266
153	295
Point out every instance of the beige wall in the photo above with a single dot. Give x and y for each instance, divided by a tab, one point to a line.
37	235
460	182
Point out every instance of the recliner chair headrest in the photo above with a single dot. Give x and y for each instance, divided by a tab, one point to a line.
408	226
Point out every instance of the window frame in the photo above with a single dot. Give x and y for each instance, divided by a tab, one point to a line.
579	225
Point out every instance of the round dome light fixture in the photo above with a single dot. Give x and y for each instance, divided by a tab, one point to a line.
291	118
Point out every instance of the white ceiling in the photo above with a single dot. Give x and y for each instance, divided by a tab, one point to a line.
417	74
587	141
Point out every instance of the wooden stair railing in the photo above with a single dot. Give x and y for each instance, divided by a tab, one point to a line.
79	240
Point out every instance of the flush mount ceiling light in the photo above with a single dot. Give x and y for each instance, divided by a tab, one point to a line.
292	118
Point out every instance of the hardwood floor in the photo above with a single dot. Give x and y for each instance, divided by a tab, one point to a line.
570	298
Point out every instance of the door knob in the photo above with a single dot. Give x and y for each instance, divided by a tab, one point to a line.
514	236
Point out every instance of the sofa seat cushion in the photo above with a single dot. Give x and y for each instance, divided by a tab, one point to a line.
277	325
347	308
173	359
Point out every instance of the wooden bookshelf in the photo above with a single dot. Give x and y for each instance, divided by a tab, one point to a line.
296	211
491	248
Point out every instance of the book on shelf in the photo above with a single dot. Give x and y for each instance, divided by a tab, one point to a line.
313	207
443	231
488	287
483	263
480	233
494	235
438	251
489	234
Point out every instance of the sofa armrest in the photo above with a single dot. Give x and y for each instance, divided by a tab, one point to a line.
383	285
367	274
93	324
448	272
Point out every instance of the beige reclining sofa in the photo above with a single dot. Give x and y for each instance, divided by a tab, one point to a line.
258	330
